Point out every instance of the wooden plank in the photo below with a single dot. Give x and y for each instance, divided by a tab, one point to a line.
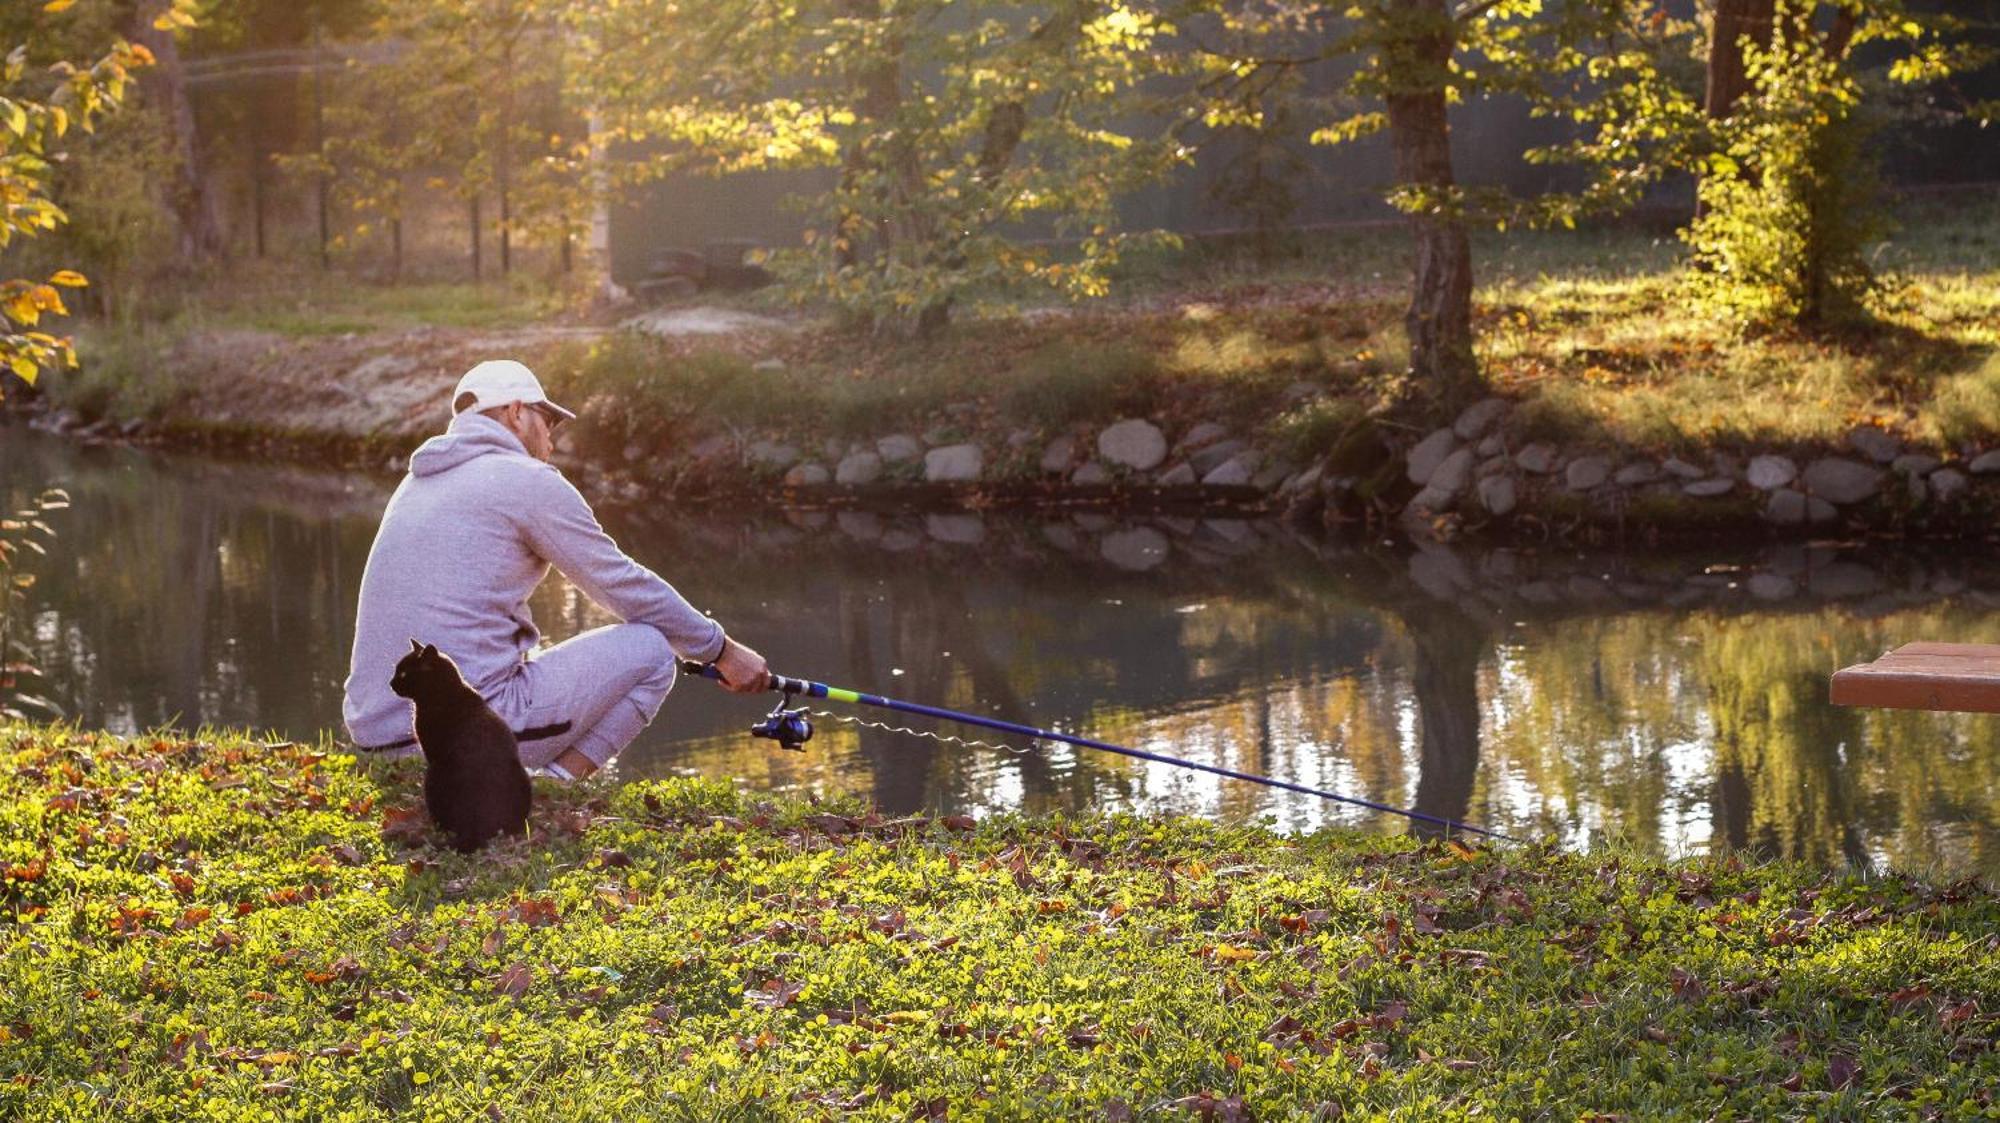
1962	677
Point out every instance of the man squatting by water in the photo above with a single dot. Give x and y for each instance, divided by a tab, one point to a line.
469	533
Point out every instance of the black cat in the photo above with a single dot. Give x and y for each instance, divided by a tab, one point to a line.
474	785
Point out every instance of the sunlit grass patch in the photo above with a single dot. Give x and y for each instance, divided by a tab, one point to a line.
1628	361
1065	381
1966	406
209	926
336	310
307	303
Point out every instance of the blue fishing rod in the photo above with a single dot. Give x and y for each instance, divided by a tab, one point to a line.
792	728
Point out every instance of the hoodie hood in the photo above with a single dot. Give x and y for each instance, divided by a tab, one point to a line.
470	436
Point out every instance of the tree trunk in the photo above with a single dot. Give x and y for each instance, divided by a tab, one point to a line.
472	205
164	85
1731	22
900	228
319	149
257	185
1446	677
503	157
1417	53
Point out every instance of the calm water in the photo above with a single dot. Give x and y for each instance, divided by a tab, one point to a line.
1676	701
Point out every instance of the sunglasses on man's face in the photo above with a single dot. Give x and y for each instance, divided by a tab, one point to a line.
548	416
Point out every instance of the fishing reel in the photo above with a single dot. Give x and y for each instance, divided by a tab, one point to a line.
791	729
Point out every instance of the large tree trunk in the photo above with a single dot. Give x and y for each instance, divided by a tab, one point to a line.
164	85
1730	23
1439	319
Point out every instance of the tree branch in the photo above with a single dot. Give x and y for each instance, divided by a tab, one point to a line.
1840	34
1473	11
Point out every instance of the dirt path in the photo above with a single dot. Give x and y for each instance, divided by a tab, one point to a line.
385	385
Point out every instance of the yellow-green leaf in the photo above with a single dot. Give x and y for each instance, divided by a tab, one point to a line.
69	278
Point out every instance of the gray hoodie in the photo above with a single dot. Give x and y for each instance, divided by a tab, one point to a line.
466	537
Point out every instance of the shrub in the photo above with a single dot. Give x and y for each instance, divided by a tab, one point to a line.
121	375
1788	204
1316	427
118	233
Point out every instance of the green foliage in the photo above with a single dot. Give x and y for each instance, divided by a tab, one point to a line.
1265	181
23	532
944	130
1788	197
1543	53
38	108
1787	189
215	926
1311	430
117	230
472	100
120	375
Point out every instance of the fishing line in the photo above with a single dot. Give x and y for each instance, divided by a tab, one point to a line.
941	738
791	728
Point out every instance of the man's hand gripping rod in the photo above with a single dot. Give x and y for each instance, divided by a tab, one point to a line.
790	728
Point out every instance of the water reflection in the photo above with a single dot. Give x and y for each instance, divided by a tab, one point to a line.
1678	702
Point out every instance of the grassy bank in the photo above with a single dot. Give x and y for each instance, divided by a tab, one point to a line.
1591	331
216	926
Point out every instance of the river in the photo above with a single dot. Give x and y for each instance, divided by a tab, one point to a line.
1673	701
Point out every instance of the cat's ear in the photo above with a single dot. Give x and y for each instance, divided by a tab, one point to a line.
415	647
430	651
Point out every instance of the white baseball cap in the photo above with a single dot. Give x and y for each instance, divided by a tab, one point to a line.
499	382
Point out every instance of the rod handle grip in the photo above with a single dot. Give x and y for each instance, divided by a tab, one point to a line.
701	670
779	683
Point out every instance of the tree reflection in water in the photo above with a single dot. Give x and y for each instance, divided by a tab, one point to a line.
1653	697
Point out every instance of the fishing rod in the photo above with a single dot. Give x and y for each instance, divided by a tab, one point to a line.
792	728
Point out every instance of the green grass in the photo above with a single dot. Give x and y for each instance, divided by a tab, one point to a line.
307	304
219	928
295	299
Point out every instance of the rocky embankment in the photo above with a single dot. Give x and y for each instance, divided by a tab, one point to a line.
367	400
1473	476
1474	470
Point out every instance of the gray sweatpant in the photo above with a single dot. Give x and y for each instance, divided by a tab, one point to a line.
594	692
